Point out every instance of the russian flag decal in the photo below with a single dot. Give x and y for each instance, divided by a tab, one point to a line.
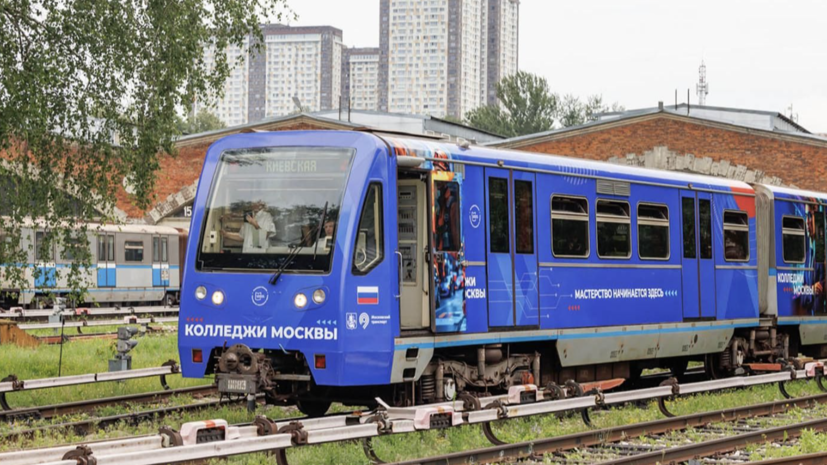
367	295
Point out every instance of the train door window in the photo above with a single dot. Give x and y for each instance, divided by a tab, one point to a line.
446	209
705	223
498	201
164	249
44	247
110	248
156	249
653	231
524	216
569	227
688	210
133	251
819	225
736	236
793	238
369	249
613	229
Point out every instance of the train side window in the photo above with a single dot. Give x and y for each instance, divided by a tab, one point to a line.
369	248
653	231
524	216
569	227
74	248
705	226
133	251
44	247
447	219
736	236
688	210
498	208
614	223
793	238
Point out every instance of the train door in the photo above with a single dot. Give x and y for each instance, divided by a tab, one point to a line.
160	261
698	269
412	227
106	261
45	259
511	249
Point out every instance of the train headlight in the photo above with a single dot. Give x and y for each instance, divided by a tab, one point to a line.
300	300
200	292
318	296
218	297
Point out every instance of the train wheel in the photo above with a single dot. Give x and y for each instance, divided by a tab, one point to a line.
169	300
313	408
712	366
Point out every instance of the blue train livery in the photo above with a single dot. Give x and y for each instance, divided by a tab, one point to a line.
341	266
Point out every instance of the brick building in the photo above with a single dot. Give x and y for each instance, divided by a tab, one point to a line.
753	146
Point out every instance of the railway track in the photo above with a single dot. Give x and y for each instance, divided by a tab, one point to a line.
85	314
207	439
644	443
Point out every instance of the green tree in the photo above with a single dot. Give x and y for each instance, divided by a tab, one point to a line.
528	106
574	112
89	92
202	122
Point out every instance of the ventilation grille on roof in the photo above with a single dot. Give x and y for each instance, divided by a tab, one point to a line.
613	187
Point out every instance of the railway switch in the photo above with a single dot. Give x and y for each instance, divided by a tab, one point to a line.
122	360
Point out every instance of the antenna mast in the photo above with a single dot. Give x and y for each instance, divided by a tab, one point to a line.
702	88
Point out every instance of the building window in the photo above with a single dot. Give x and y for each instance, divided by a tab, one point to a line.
369	249
794	239
614	239
736	236
133	251
569	227
653	231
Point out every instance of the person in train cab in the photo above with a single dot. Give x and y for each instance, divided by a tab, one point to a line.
329	227
256	231
733	250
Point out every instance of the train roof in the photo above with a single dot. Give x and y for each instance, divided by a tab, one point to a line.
793	193
574	166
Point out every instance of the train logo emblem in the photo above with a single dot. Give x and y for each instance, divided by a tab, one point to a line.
364	320
260	296
475	216
350	321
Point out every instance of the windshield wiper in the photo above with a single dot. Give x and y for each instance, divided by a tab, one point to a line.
297	248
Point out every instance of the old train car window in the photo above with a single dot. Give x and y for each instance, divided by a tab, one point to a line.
524	216
614	239
793	239
156	249
369	249
447	221
653	231
705	223
498	208
736	236
688	210
164	249
44	247
569	227
133	251
75	247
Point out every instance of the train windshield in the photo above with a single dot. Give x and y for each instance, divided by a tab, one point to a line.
274	207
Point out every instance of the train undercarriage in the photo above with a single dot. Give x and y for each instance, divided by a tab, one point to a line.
285	377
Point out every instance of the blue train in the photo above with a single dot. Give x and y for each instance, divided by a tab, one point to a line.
341	266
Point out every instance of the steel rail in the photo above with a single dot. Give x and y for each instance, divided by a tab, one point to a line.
717	446
83	311
819	458
266	435
605	436
85	406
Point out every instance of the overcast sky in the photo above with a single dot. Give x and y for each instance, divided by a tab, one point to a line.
764	55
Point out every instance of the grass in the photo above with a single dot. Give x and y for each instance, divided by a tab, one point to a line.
92	355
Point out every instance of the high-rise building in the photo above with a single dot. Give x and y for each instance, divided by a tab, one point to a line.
360	78
303	63
503	42
435	55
